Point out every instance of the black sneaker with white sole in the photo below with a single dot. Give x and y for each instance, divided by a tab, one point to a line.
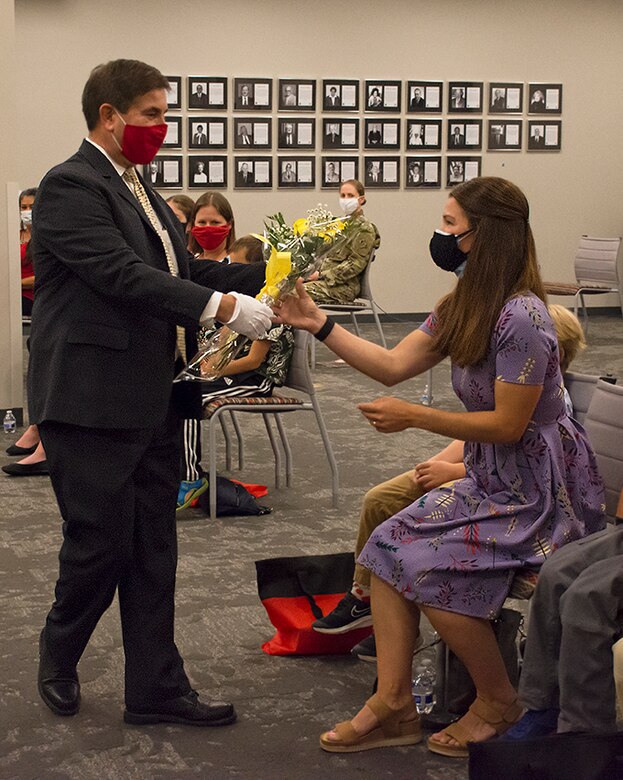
366	649
350	613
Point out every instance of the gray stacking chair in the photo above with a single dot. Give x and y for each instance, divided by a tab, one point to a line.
597	271
299	379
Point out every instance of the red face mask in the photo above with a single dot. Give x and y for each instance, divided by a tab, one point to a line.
141	143
210	236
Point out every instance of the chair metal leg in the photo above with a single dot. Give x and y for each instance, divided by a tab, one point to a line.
378	323
276	451
227	438
212	464
236	425
329	450
286	448
312	354
355	323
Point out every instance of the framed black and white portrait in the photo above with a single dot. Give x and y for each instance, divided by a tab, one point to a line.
296	172
296	133
464	134
173	138
465	96
252	133
340	95
424	97
504	135
174	93
207	93
382	134
423	134
544	136
505	98
381	171
544	98
382	96
206	132
253	173
297	94
338	169
460	169
423	172
164	171
253	94
207	172
340	133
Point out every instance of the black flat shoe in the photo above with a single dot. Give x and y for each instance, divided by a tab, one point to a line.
59	689
27	469
15	449
185	709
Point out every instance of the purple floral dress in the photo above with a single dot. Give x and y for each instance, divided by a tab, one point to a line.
458	547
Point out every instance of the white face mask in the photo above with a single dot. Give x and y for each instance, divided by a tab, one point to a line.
26	217
349	205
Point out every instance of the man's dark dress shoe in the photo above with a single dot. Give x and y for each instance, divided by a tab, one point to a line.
60	690
185	709
27	469
15	449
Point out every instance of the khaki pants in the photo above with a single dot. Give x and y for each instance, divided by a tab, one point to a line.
379	504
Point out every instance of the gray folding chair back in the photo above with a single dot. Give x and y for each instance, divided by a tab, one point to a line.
597	269
299	378
604	426
580	388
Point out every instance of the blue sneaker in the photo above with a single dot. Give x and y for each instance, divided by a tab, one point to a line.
189	491
535	723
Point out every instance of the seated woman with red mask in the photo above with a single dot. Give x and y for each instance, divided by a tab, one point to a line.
213	228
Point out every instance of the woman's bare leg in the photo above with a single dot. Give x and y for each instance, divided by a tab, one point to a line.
473	641
396	627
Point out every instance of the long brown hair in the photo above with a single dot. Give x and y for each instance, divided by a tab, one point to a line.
223	206
502	263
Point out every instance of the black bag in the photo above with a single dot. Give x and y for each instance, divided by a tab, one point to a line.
232	498
558	757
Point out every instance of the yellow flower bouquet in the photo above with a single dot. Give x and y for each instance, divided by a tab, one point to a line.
291	251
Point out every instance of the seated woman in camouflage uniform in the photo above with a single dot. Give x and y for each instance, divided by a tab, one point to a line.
342	269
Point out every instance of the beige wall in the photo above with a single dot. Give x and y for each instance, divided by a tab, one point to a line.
574	42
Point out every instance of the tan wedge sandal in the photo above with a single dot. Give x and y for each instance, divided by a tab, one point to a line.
396	727
499	718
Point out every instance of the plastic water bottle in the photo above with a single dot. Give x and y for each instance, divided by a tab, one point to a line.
10	423
424	687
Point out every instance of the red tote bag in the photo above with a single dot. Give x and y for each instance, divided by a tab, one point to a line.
298	590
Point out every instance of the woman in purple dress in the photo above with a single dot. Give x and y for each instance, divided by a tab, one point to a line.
531	482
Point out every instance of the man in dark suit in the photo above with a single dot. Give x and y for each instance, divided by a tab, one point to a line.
417	101
537	140
113	288
457	138
246	101
198	99
286	135
332	137
244	176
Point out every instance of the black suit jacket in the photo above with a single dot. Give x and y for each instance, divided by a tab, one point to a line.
103	328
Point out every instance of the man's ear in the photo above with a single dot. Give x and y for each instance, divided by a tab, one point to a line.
107	116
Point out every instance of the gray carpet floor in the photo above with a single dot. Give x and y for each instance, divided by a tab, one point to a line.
283	702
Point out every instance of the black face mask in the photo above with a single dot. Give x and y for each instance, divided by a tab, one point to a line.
444	249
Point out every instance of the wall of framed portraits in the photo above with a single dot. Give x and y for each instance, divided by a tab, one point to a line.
275	105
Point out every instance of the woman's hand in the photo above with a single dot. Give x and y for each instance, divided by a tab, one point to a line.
433	473
299	310
389	415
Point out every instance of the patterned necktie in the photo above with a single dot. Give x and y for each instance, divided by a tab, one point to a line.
131	177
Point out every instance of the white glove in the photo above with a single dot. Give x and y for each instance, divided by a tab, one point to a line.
251	318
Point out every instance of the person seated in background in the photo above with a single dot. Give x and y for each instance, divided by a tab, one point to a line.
531	481
247	249
342	269
385	500
182	206
212	227
29	443
567	679
261	366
